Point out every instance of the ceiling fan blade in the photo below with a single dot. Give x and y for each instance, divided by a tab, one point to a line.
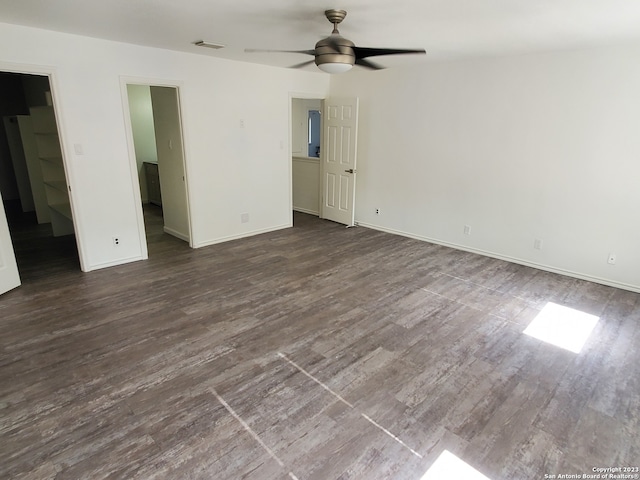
254	50
303	64
364	52
367	64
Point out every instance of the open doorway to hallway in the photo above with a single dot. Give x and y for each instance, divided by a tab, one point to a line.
156	131
306	151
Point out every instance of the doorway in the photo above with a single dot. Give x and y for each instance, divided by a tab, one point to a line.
158	155
325	186
306	151
33	181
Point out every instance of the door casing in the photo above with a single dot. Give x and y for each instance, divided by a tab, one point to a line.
135	181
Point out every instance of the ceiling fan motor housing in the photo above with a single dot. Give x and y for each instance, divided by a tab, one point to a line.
335	49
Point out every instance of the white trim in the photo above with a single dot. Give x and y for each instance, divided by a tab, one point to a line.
133	169
313	160
305	210
185	156
177	234
243	235
120	261
519	261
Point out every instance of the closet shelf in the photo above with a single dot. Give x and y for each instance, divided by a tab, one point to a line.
52	165
60	185
63	209
55	159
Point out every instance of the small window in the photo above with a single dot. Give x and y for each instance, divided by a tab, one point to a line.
314	133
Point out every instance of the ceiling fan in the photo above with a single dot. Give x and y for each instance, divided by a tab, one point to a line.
336	54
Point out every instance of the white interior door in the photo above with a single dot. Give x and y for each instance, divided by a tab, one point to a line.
9	276
168	129
339	160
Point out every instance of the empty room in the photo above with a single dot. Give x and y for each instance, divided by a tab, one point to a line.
270	240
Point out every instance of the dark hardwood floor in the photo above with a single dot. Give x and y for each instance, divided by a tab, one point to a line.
38	252
316	352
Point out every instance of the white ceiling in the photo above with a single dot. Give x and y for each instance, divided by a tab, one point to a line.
445	28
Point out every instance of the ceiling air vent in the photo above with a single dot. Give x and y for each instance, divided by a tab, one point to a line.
202	43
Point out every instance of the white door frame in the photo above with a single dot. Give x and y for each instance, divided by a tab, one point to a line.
304	96
51	74
133	165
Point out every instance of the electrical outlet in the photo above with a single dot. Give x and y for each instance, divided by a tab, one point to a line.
537	244
116	241
612	259
377	211
467	230
244	218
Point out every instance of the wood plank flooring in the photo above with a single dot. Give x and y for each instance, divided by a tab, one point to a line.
316	352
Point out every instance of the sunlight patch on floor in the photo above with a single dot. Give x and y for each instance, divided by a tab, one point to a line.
447	466
563	327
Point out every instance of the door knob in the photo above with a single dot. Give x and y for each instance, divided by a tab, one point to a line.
351	170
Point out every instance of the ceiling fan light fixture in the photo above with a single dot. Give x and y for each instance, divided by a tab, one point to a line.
334	54
335	67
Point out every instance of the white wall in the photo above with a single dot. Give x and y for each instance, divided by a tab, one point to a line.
144	137
537	146
231	169
306	185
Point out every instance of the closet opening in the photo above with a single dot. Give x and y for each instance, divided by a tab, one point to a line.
33	181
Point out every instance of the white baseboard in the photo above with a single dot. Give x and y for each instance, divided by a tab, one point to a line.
519	261
304	210
241	235
114	263
176	234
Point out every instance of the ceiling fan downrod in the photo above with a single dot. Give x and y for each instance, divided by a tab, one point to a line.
335	17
